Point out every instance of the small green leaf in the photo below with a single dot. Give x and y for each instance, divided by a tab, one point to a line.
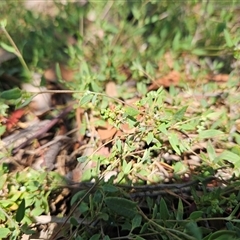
234	220
131	121
179	215
180	168
76	197
178	116
236	150
136	222
141	88
3	179
130	111
83	207
155	211
21	211
228	39
194	230
106	238
149	138
127	168
164	213
149	68
126	226
95	236
109	188
87	175
223	235
3	23
233	212
176	43
163	128
121	206
87	98
37	211
82	159
8	48
146	155
17	195
211	133
139	238
196	215
103	216
173	140
14	93
118	145
3	108
94	99
95	87
2	217
27	101
4	232
149	202
74	221
230	157
144	228
58	71
211	151
215	115
136	12
85	68
198	52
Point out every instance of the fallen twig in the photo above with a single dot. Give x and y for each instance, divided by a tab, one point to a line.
42	130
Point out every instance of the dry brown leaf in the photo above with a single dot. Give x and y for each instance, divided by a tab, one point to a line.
80	169
170	79
237	125
126	129
104	151
107	132
219	78
111	89
168	60
14	118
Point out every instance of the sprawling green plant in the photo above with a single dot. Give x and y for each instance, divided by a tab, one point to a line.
24	195
127	42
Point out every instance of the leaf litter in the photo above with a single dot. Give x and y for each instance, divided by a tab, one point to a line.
97	136
176	153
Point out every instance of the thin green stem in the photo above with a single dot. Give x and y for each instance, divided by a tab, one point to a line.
9	218
82	92
169	231
17	52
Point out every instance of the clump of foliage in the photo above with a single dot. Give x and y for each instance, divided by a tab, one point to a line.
24	195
